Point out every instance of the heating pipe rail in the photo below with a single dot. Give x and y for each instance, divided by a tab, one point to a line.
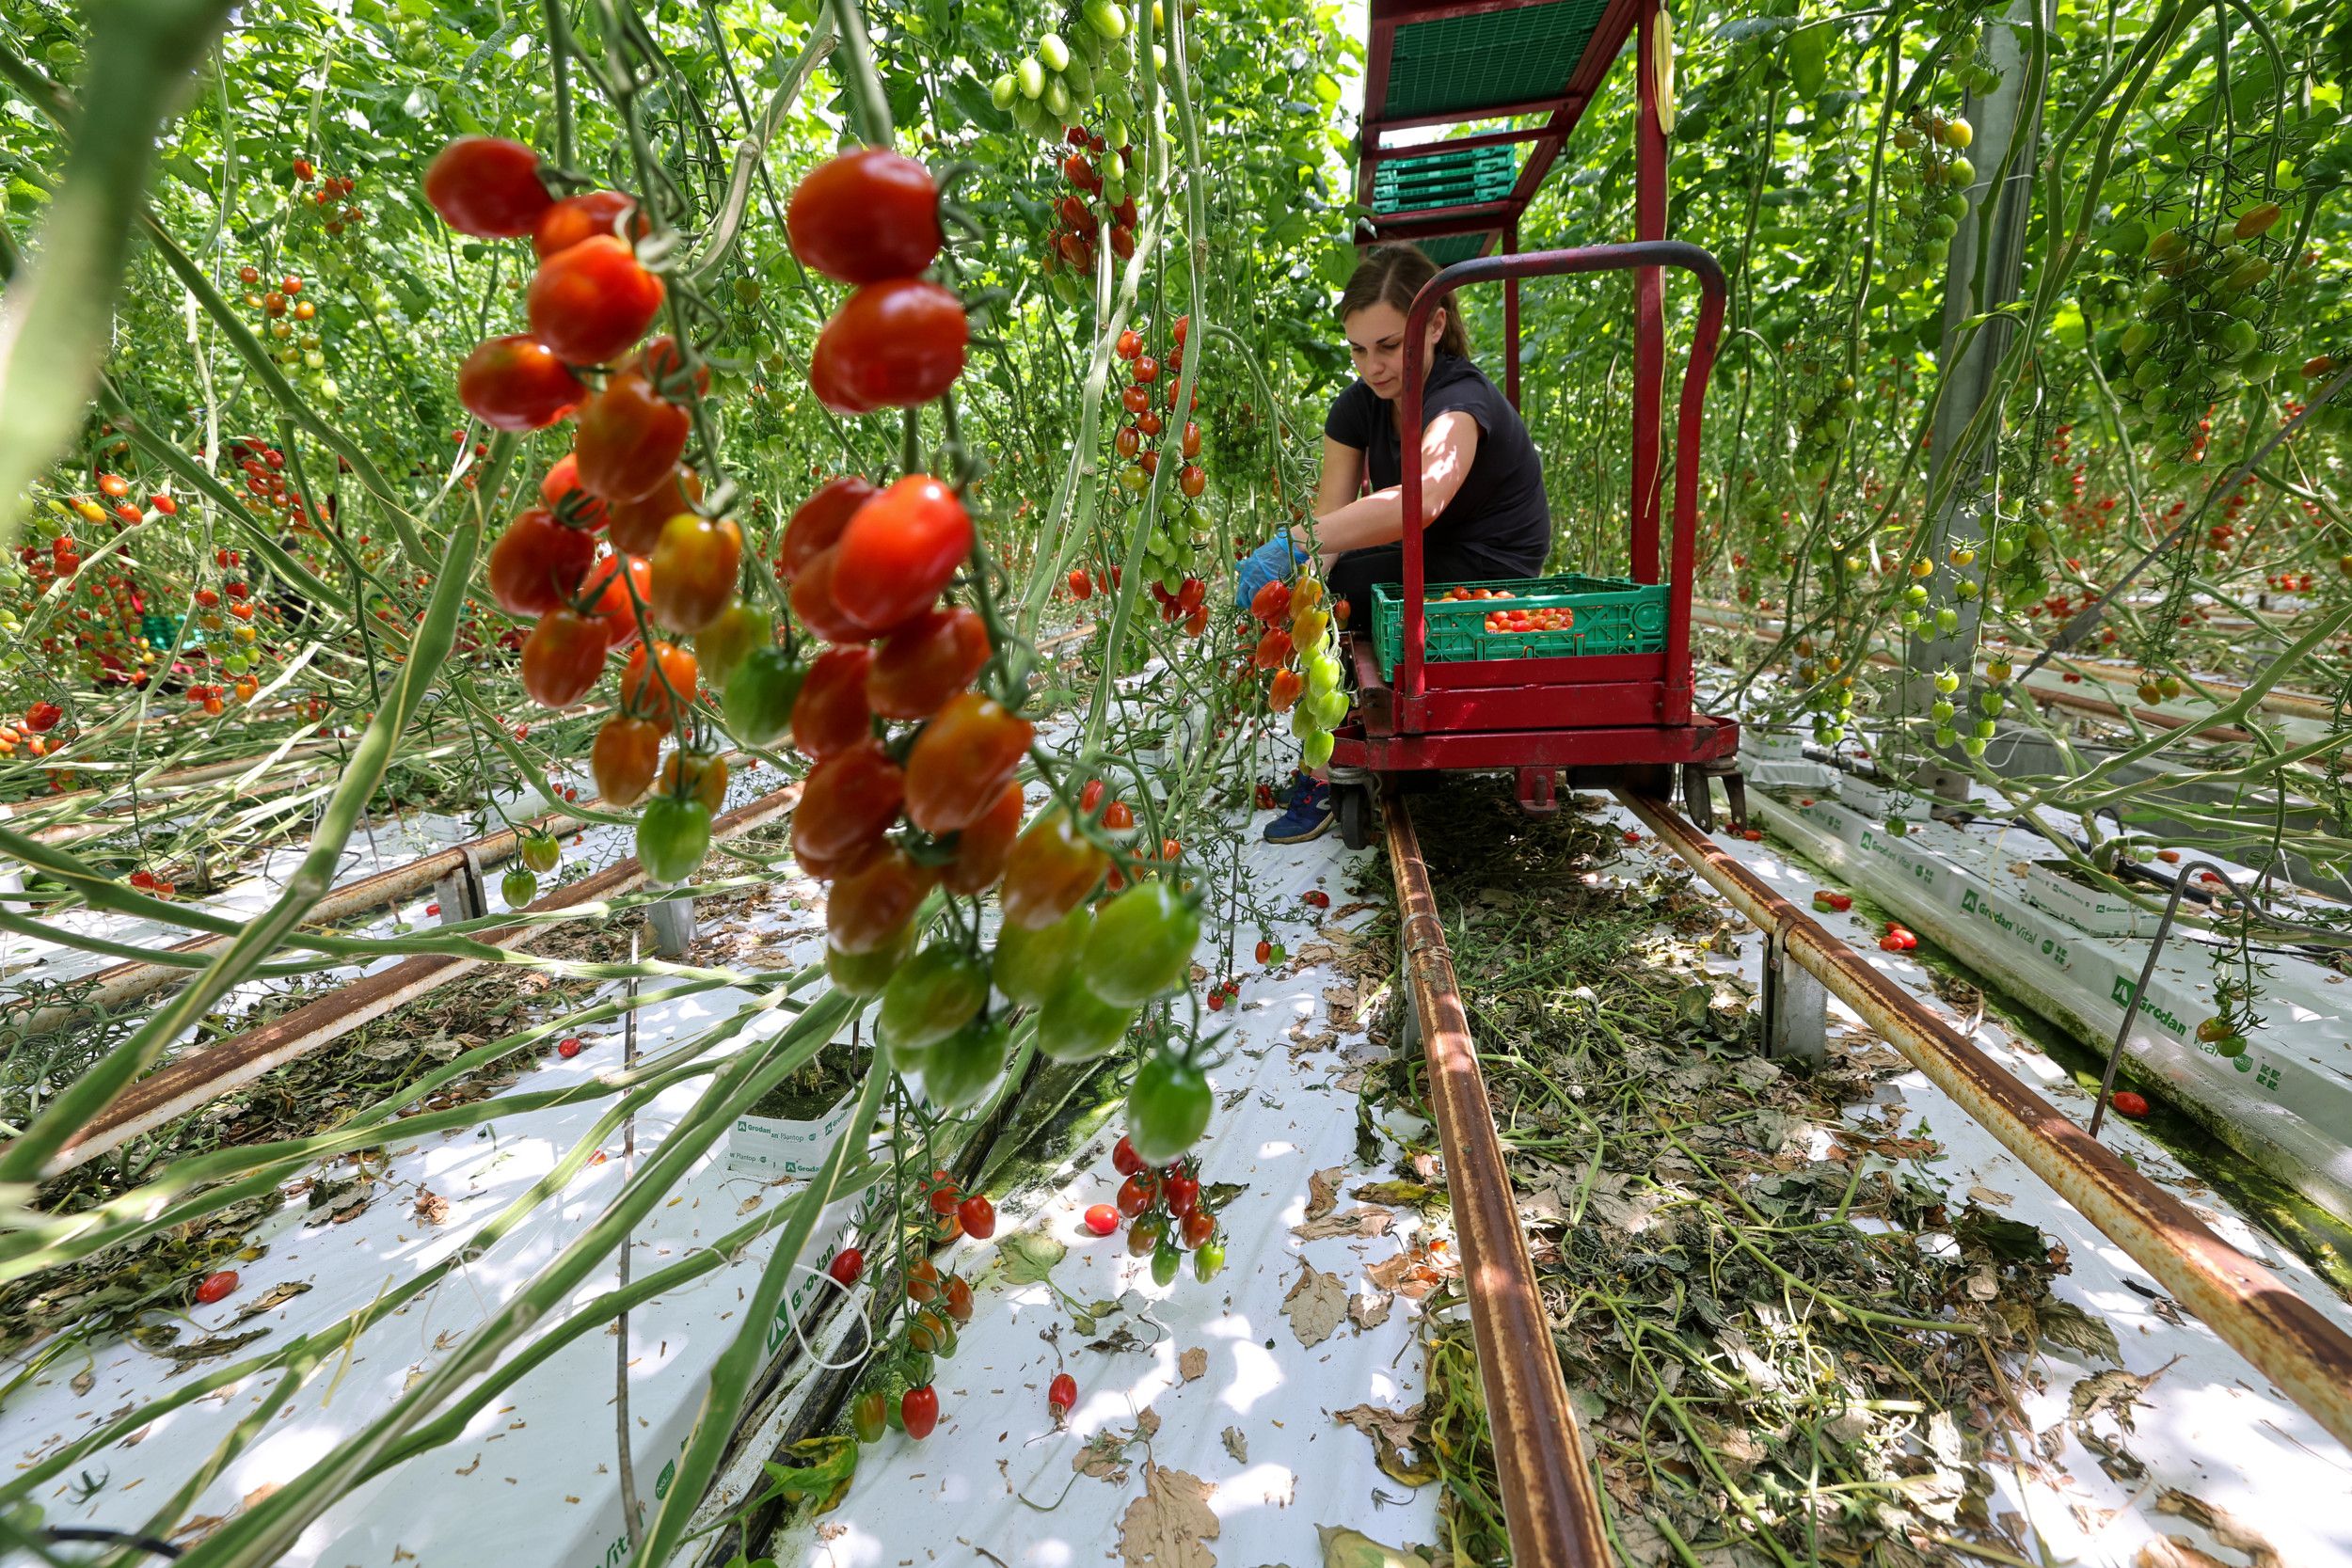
2258	1314
1549	1502
191	1080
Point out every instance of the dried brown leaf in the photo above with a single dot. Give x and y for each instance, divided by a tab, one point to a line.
1168	1526
1315	1304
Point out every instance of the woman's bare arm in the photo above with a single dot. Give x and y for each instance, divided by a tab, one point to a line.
1448	448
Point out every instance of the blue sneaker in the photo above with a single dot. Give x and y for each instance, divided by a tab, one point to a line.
1309	817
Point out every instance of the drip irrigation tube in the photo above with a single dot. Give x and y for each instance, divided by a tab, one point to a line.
2255	1312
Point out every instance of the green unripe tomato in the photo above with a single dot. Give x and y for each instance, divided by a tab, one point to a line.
864	975
1076	1025
1029	76
1168	1108
518	887
1052	52
1141	946
933	994
958	1070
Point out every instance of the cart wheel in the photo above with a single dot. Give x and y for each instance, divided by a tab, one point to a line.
1698	797
1353	806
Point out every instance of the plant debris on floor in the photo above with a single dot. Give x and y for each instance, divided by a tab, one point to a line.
1782	1336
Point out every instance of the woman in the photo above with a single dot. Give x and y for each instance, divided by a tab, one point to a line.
1484	514
1482	504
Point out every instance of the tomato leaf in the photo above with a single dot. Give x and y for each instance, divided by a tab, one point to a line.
1027	1257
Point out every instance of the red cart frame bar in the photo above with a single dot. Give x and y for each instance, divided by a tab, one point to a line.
1643	258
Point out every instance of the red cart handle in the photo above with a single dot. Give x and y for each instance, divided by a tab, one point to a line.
1545	263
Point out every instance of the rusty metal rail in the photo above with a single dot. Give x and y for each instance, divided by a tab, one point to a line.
1548	1500
133	979
183	1085
2258	1314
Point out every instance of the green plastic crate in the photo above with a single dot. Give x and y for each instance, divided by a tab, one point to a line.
1613	615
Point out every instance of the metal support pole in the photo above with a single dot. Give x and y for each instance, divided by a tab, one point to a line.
672	921
2003	119
1511	318
1795	1007
464	893
1649	299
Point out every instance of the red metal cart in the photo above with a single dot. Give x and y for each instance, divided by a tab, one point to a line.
1600	719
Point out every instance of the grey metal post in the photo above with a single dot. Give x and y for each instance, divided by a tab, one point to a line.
2000	120
672	921
1795	1008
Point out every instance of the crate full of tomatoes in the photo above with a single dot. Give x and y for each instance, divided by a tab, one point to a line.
1556	617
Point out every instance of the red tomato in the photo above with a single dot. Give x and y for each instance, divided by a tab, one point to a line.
870	904
900	551
919	1409
926	661
537	564
828	379
568	499
513	383
562	658
848	800
813	601
962	761
1081	586
1191	481
898	343
2129	1103
1062	1394
590	301
1192	438
637	524
1124	1159
1146	369
1102	1219
866	215
817	524
830	713
567	222
1134	400
661	363
1137	1193
1198	1226
984	847
613	608
695	567
622	760
847	1266
42	717
487	187
216	1285
978	1216
1181	1190
642	691
629	438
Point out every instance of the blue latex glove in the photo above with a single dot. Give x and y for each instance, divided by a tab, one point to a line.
1270	562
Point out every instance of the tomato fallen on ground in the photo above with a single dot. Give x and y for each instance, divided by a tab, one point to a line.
1102	1219
1062	1394
216	1285
569	1048
2129	1103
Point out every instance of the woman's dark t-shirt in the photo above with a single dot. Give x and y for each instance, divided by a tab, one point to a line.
1499	515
